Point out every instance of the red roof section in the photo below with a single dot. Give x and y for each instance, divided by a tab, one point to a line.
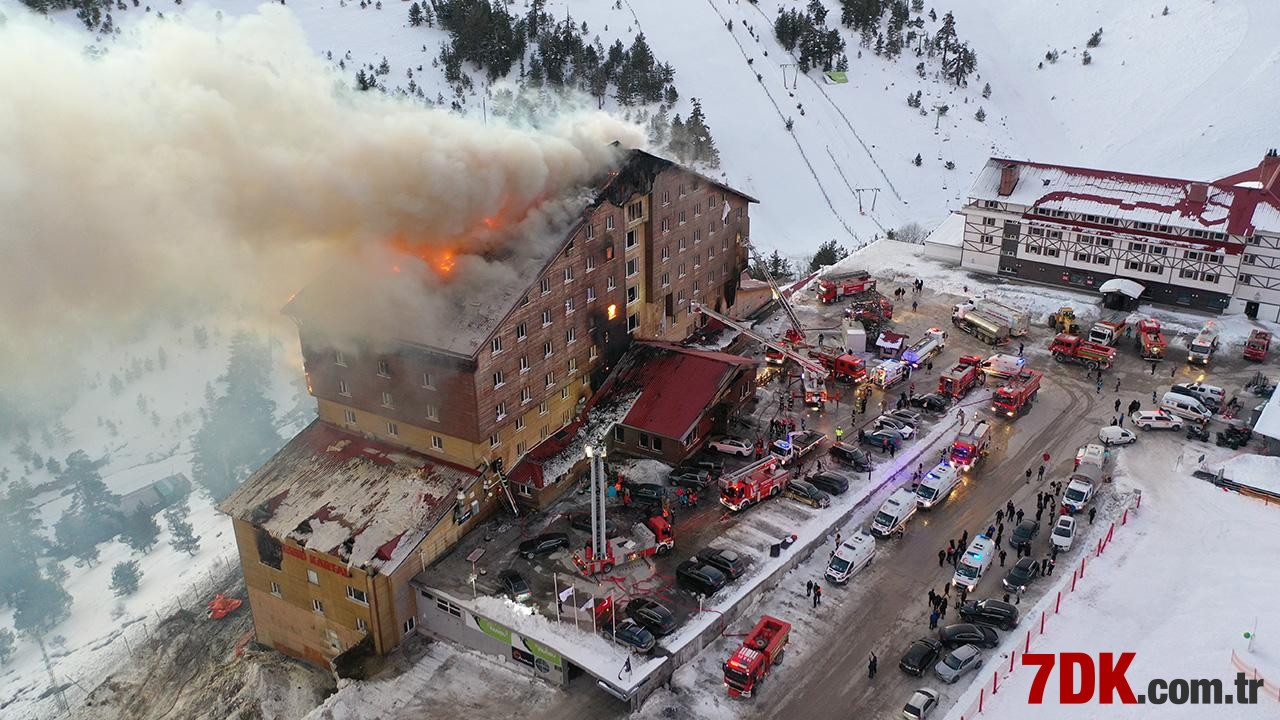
677	386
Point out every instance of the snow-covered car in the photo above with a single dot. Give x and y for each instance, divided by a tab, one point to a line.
1116	435
1156	420
631	634
956	663
1064	533
514	586
905	429
732	446
921	704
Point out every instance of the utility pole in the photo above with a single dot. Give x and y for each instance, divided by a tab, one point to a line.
795	74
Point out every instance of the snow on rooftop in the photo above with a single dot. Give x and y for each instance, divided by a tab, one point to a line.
341	494
949	232
1260	471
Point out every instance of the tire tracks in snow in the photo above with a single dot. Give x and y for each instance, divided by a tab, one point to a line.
724	23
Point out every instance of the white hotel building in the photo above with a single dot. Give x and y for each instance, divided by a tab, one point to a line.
1207	245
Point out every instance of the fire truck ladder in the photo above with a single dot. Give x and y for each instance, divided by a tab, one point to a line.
506	492
777	293
806	364
747	471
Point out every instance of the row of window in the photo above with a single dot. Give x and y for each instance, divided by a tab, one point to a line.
393	429
1137	224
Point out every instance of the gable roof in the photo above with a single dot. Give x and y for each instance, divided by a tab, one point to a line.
363	501
677	385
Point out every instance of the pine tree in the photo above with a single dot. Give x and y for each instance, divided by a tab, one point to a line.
140	531
778	266
415	15
1095	39
21	541
6	645
981	115
93	516
828	253
659	126
1086	58
40	604
918	160
182	536
125	577
702	145
679	143
986	90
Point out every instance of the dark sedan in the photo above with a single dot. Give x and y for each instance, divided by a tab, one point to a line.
933	402
651	493
829	482
655	616
691	479
1024	533
990	612
514	585
544	544
631	634
953	636
852	455
726	561
920	656
1021	575
582	521
700	577
881	439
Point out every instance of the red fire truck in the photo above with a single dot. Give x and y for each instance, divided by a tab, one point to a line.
1017	394
841	286
1072	348
843	366
653	537
758	481
971	444
764	647
963	377
1150	340
1255	348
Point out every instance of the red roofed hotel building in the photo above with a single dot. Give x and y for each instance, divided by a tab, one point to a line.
1207	245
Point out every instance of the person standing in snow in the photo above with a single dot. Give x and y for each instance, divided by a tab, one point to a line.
871	666
1002	557
1092	512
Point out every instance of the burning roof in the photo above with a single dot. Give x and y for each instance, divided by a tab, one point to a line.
334	492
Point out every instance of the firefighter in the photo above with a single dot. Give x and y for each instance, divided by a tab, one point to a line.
839	433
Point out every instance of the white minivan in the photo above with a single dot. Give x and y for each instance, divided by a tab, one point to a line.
894	513
975	561
937	485
1185	406
853	554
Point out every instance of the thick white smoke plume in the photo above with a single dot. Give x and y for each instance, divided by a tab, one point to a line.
208	160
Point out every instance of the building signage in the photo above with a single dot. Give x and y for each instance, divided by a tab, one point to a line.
317	561
529	652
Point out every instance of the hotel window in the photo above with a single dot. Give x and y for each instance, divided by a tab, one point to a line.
634	211
633	294
1249	259
564	395
519	427
569	306
317	605
568	248
343	389
526	396
495	345
594	353
1186	274
498	380
542	408
611	284
711	227
666	253
666	197
697	236
275	589
591	263
680	271
387	400
357	595
384	368
644	440
681	244
312	577
681	218
393	430
619	434
433	413
428	382
633	267
361	625
666	225
524	364
544	285
631	239
591	294
570	336
1131	265
711	251
1210	278
591	231
697	260
573	366
568	275
697	285
666	279
608	223
697	209
409	625
437	442
549	380
547	349
339	358
494	440
633	322
546	318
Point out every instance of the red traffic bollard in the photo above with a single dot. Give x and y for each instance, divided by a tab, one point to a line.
1057	606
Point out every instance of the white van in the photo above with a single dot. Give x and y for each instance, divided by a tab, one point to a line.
1004	366
894	513
1185	406
937	485
1211	396
975	561
1091	454
1078	494
853	554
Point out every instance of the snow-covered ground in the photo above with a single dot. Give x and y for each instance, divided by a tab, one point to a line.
1179	586
138	452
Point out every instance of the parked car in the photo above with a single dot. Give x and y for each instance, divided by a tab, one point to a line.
728	562
919	656
852	455
963	659
582	521
995	613
1021	574
648	493
733	446
544	544
1064	533
880	439
921	704
700	578
514	586
653	615
691	479
910	417
713	465
1024	533
830	482
888	421
1156	420
630	633
808	494
1116	435
968	634
932	402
